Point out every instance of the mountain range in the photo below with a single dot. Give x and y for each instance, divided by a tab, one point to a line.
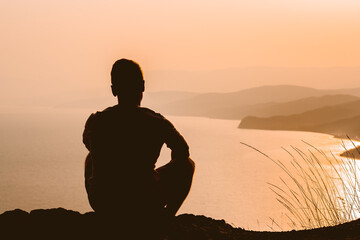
281	107
340	120
262	102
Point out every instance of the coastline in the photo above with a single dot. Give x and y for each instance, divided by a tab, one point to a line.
352	152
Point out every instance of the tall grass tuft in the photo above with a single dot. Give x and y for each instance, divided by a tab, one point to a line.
319	189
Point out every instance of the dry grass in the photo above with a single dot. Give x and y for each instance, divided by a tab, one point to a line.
319	189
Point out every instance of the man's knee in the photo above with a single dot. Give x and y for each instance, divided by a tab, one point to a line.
191	165
187	172
185	168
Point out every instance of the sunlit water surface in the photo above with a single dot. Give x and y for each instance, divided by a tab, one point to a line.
42	158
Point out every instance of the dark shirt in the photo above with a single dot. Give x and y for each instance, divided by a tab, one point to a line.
125	142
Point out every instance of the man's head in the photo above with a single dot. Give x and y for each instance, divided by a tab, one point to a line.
127	81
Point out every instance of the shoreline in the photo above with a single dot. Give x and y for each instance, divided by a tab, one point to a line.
349	153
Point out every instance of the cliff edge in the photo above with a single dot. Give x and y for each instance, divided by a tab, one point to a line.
60	223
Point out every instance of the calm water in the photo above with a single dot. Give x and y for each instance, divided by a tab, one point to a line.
42	156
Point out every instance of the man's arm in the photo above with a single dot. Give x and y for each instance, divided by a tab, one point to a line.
88	131
176	142
176	176
88	135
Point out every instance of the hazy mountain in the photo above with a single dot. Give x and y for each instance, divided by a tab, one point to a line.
337	120
350	91
157	99
209	103
287	108
233	79
299	106
259	101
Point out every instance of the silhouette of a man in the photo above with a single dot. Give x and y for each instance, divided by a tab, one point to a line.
124	142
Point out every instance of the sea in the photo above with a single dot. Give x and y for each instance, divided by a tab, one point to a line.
42	164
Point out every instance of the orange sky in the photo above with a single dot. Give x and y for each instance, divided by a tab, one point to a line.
68	46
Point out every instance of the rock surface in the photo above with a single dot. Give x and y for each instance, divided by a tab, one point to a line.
66	224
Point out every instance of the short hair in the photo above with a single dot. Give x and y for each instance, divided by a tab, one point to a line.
126	75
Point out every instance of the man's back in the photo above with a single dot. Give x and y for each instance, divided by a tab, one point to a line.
124	144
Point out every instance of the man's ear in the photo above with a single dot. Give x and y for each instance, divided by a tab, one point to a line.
114	90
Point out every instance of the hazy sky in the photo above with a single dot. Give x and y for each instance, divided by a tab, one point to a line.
66	48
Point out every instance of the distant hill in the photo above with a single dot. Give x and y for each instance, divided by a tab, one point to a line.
260	101
210	103
350	91
231	78
155	100
338	120
277	109
300	106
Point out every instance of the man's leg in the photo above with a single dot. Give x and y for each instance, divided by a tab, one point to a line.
175	179
88	176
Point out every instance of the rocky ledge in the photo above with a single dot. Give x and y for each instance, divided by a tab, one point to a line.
66	224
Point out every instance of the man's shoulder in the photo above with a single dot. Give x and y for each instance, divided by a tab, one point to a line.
151	113
106	111
143	112
95	116
156	118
